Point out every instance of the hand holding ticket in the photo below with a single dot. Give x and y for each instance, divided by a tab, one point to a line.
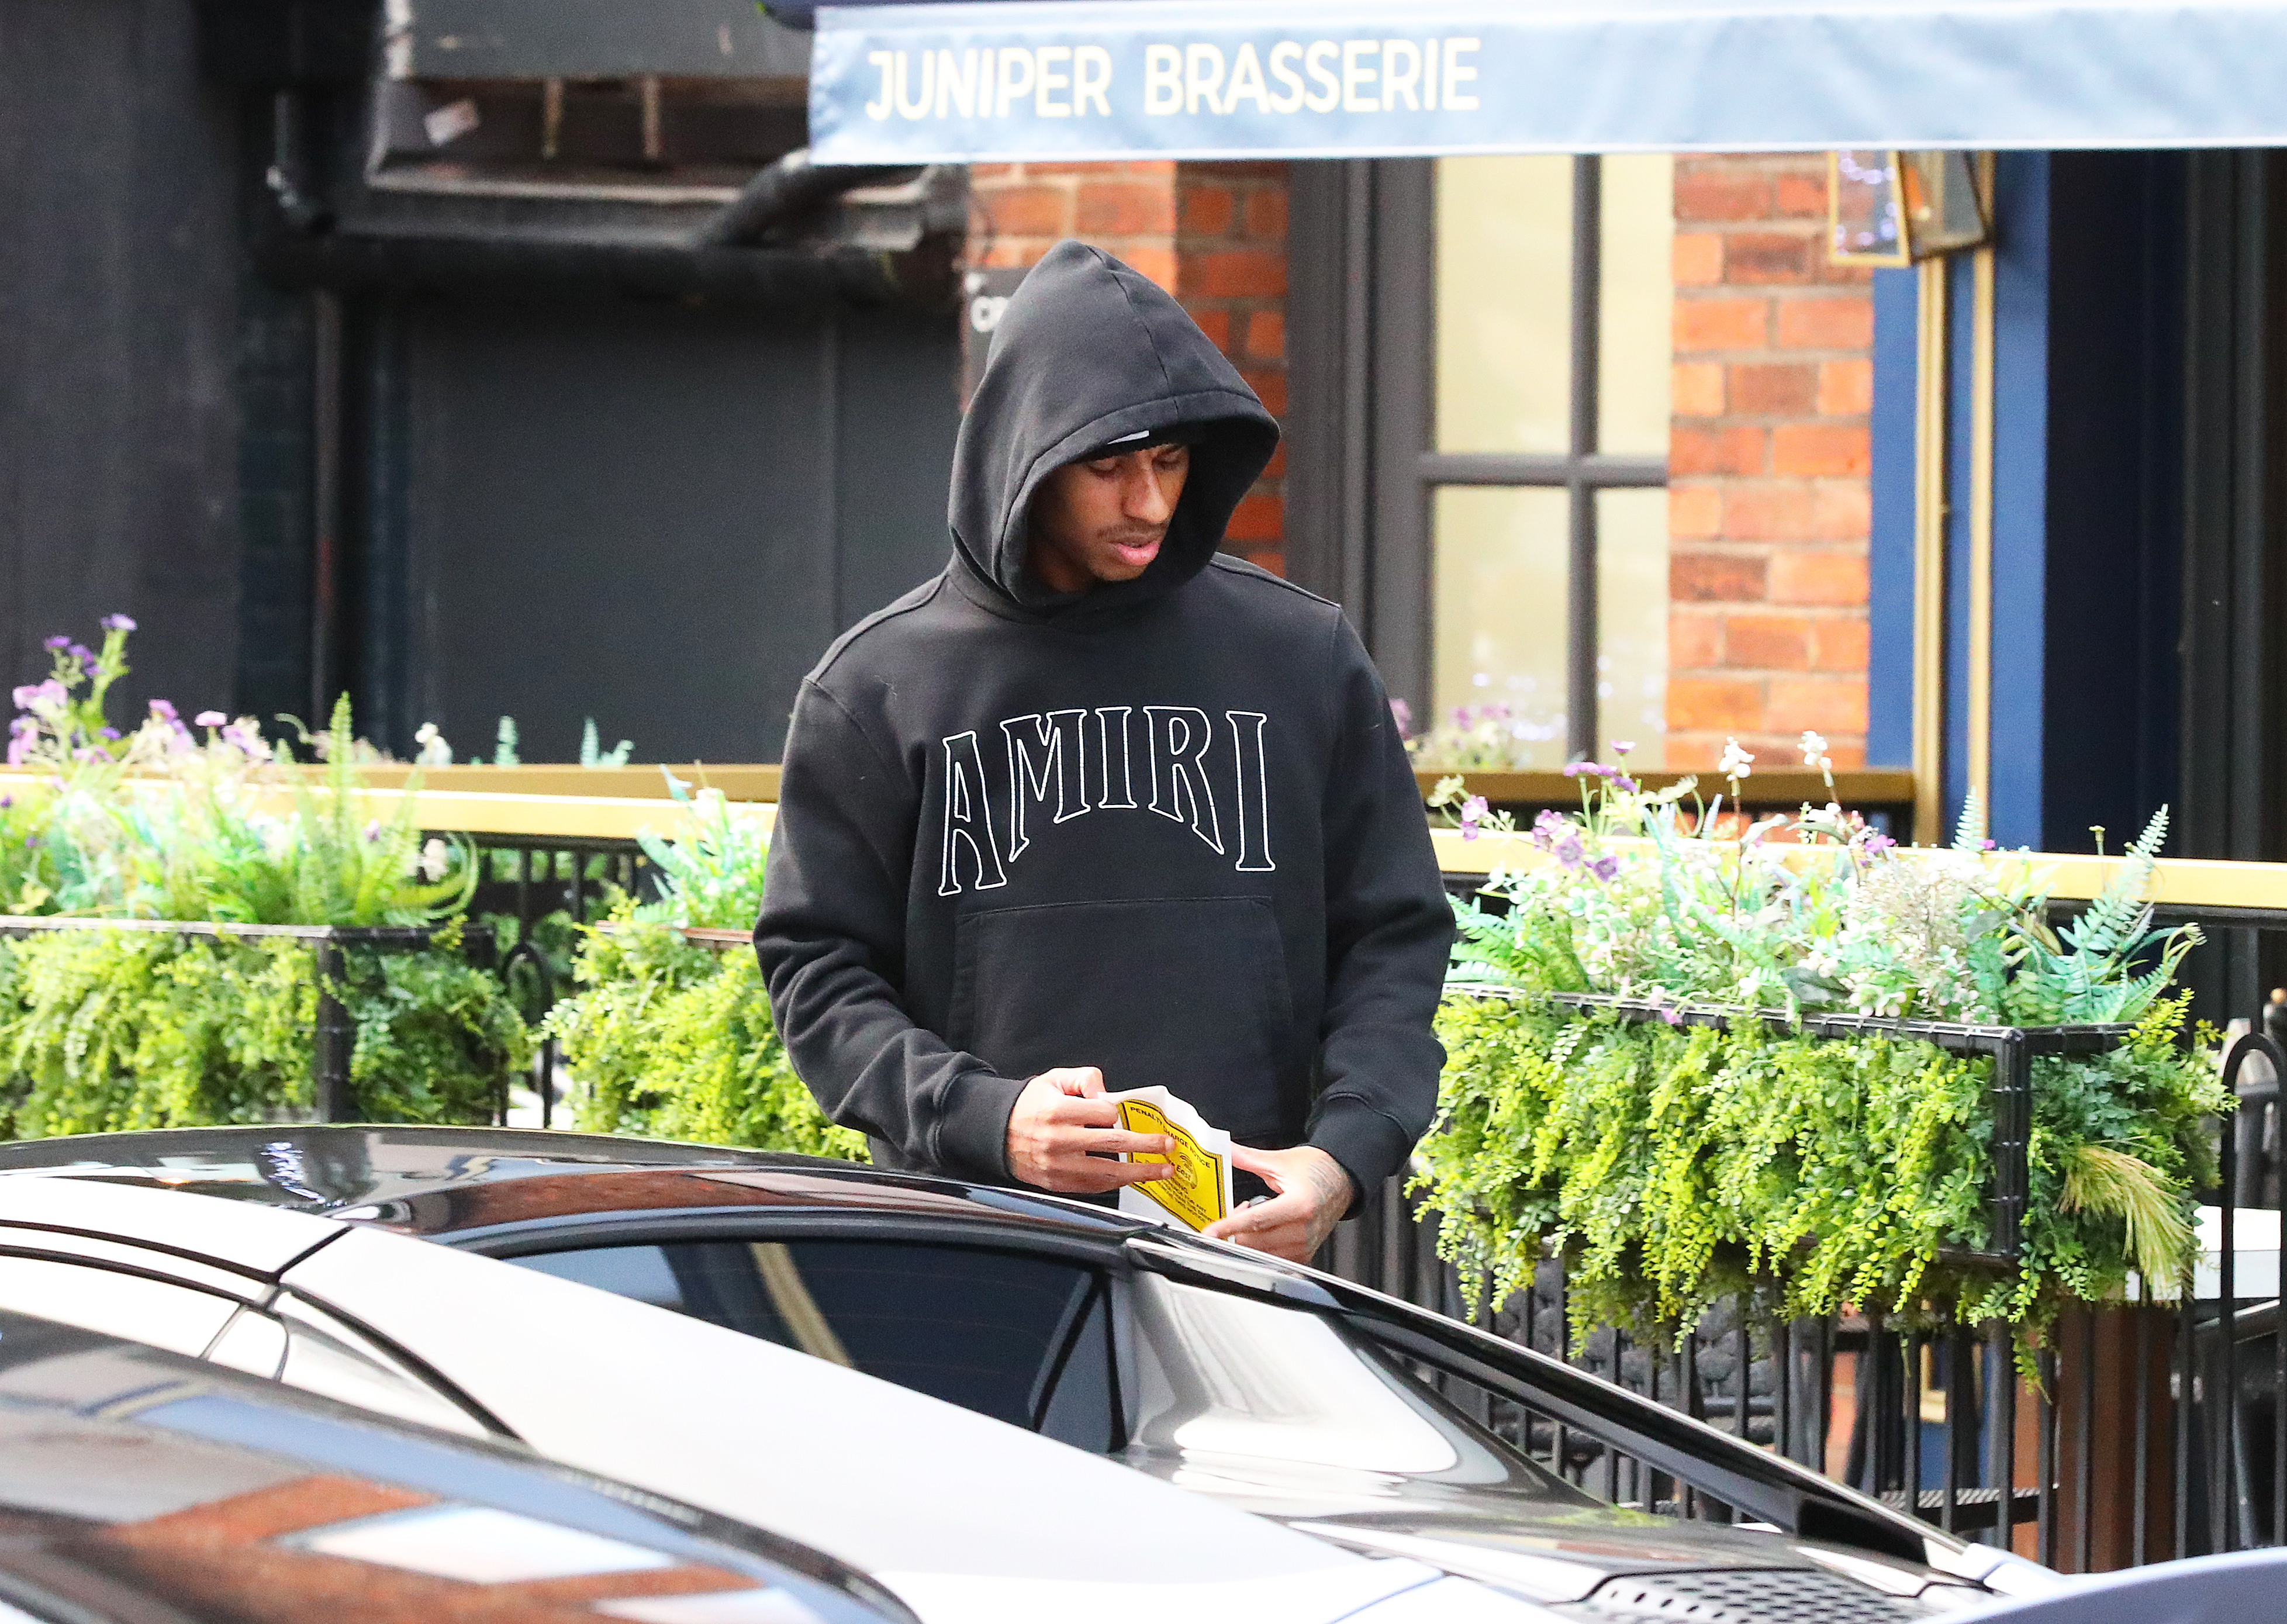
1197	1191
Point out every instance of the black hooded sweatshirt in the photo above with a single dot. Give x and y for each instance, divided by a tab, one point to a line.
1165	826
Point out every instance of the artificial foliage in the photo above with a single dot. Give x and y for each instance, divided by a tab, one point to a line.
672	1038
104	1029
1674	1163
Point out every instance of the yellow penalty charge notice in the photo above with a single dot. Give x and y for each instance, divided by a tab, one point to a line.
1198	1192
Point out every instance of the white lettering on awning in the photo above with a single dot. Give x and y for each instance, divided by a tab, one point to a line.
1192	77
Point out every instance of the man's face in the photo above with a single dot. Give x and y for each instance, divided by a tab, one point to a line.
1105	519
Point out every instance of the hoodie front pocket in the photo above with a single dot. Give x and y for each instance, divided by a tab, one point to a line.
1191	993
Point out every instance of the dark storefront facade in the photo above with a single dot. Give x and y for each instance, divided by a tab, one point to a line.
464	391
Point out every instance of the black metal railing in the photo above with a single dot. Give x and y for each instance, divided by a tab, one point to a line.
531	876
2154	1429
530	880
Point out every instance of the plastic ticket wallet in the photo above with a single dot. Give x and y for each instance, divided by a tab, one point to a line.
1199	1191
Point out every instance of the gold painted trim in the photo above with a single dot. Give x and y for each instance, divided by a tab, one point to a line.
465	812
1980	696
2182	882
1930	416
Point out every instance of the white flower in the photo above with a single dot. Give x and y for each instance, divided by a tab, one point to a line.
435	751
1736	762
434	859
1814	750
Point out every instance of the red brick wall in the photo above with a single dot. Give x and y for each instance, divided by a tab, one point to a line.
1768	507
1212	234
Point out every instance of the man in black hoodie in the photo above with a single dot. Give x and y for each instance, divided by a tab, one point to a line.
1100	808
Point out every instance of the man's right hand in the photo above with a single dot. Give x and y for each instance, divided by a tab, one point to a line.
1060	1120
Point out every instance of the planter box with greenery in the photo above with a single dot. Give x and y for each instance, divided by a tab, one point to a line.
215	1015
1695	1062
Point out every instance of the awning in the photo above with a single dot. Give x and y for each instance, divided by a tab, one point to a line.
1095	79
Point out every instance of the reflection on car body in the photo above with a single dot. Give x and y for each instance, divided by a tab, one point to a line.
139	1486
1361	1421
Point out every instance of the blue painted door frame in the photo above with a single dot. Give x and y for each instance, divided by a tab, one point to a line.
2088	414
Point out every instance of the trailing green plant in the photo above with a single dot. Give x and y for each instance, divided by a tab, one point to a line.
102	1031
673	1038
1675	1164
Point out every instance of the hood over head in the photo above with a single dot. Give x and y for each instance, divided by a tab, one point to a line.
1088	351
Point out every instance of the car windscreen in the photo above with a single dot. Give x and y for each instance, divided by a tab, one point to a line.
1020	1338
1222	1379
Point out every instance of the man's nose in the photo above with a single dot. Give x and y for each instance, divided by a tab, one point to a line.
1144	498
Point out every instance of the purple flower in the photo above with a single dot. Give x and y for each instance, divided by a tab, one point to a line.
1404	714
1567	847
1460	716
1574	769
1473	811
1878	843
372	830
1621	747
58	641
1673	1017
208	718
1545	825
1622	781
116	623
47	695
1988	845
81	653
164	709
106	732
1606	867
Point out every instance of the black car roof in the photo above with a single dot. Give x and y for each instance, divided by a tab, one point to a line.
137	1483
439	1182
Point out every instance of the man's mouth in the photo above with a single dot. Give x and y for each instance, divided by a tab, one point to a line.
1138	553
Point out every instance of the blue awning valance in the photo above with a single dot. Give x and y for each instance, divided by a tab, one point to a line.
1089	79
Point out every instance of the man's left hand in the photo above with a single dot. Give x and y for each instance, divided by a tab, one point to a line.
1311	1192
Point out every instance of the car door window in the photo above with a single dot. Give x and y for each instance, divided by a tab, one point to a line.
1020	1338
131	1306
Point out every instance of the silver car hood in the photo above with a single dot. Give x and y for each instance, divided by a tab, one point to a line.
1540	1550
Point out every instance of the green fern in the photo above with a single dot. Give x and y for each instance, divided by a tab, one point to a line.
1969	832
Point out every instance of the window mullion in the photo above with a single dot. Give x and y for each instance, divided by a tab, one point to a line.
1580	642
